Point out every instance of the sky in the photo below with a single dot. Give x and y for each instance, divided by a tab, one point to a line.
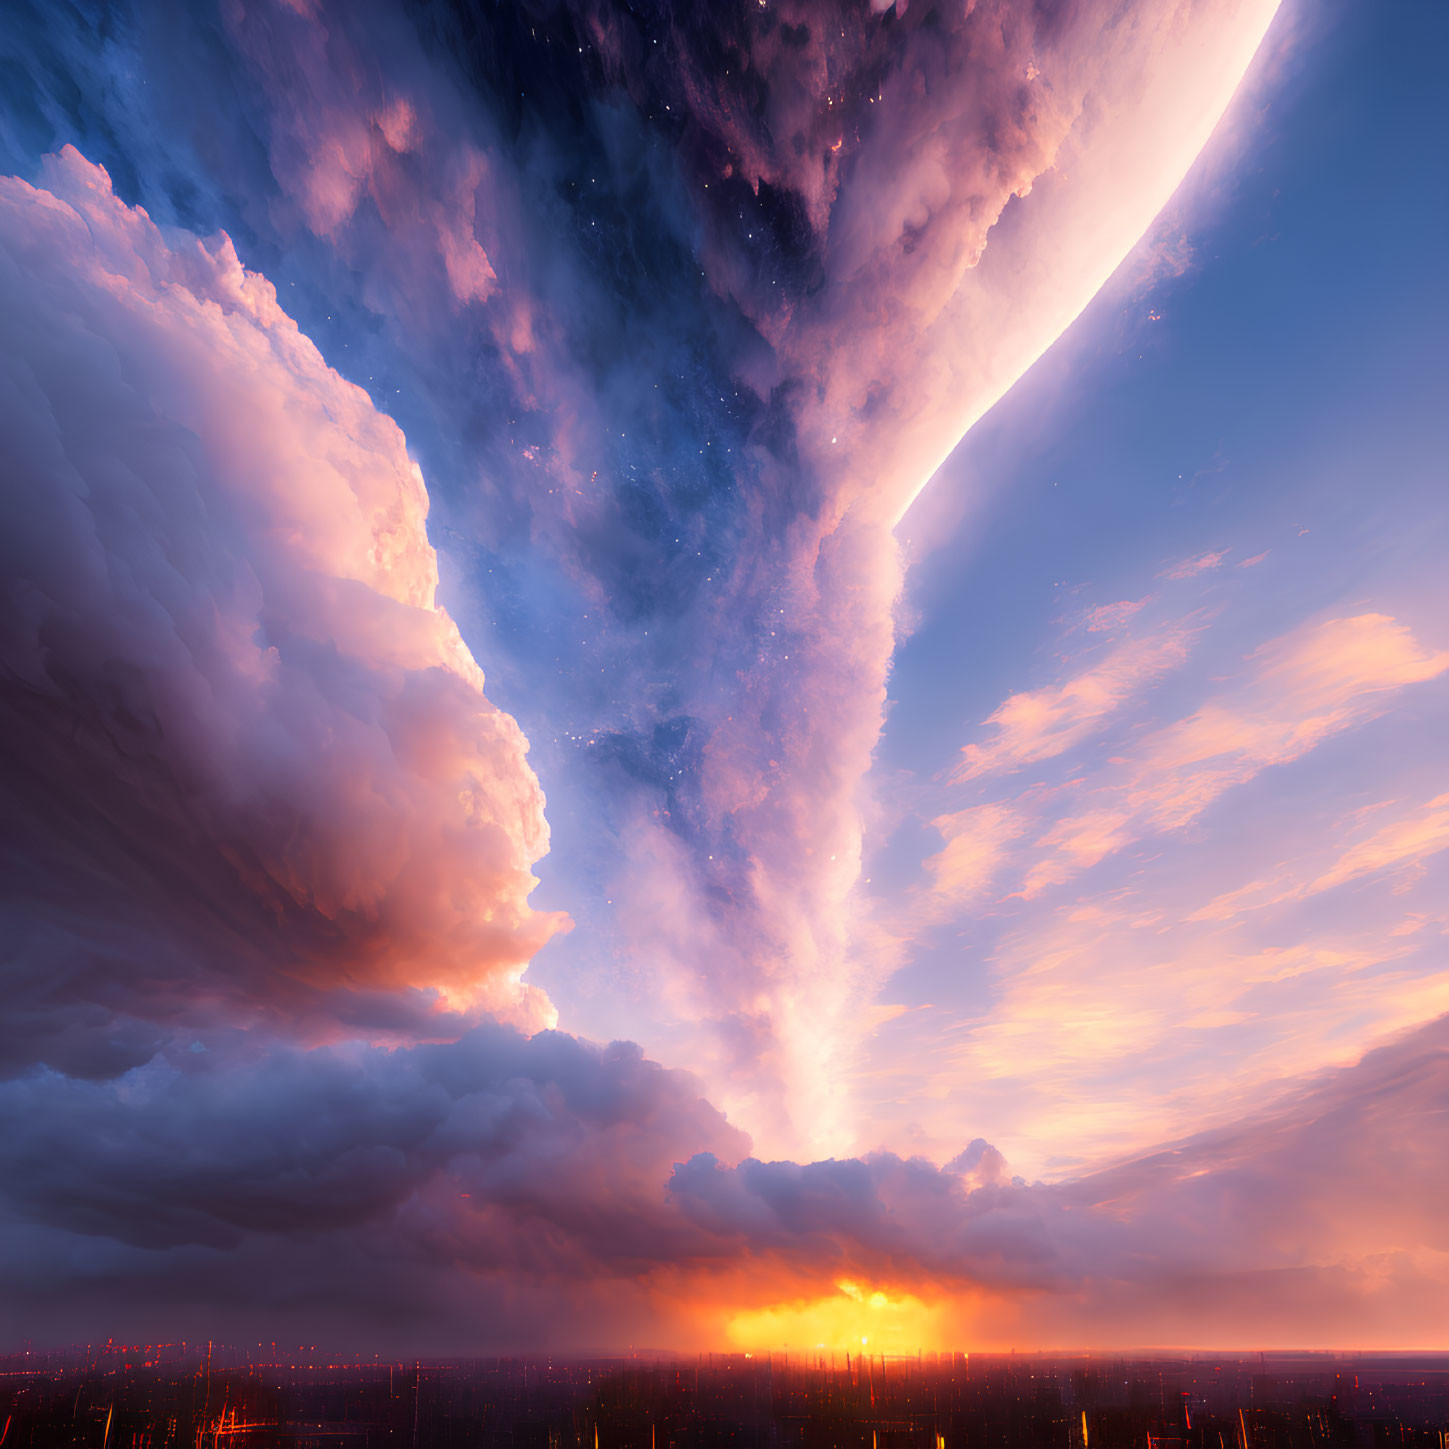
742	676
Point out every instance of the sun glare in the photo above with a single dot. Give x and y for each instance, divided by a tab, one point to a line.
853	1319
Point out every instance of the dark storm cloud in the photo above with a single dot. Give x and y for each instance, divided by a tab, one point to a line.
399	1193
224	1137
264	1178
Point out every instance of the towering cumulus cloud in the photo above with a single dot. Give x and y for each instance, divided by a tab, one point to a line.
249	769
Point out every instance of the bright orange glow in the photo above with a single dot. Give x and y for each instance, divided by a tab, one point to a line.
853	1319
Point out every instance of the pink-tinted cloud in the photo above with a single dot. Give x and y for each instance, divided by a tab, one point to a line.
1111	1023
1406	842
1190	567
343	136
258	791
1300	690
977	846
251	758
925	317
1103	618
1043	723
1297	691
1398	848
1180	978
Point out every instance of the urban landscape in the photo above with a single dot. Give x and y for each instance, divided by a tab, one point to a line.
210	1397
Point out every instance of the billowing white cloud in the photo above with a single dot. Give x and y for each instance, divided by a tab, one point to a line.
250	767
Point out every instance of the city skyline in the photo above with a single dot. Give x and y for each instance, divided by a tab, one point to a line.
926	1401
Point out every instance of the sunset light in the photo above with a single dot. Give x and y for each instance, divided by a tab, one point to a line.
853	1320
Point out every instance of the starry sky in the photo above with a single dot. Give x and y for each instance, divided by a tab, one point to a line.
741	675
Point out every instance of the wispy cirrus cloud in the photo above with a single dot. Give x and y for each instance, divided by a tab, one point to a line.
1294	693
1398	846
1043	723
1298	691
1407	841
1132	956
1102	618
1190	568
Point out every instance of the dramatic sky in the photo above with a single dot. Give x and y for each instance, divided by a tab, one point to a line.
746	674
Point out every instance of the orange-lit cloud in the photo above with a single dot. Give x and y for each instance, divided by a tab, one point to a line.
1300	689
1043	723
279	748
1405	842
285	777
1409	838
1180	979
1283	1210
